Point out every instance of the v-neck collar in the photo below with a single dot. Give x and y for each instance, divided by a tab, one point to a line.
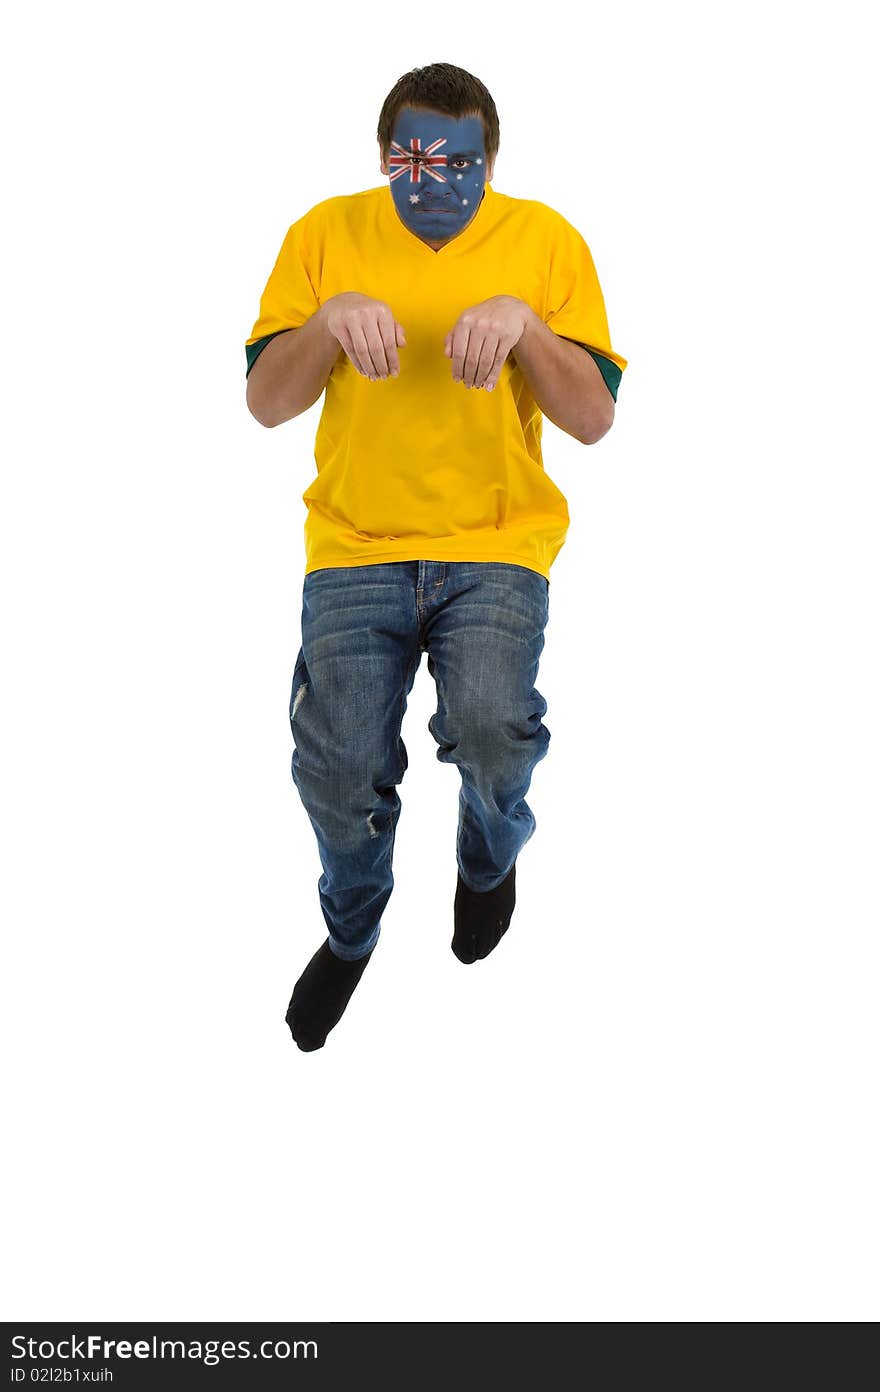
456	244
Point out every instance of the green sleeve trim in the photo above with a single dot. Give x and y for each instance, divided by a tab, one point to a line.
253	350
611	373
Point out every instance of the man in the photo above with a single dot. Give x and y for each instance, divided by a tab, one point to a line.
442	320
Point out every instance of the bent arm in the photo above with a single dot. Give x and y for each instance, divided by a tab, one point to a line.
292	371
565	382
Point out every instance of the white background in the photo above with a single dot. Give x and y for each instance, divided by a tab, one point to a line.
657	1100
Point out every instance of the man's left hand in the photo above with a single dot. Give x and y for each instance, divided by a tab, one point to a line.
481	338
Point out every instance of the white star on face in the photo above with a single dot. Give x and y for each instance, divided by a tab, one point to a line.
479	161
414	198
464	202
459	176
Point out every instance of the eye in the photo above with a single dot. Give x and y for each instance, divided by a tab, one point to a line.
460	161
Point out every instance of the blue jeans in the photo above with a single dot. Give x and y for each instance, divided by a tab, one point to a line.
364	629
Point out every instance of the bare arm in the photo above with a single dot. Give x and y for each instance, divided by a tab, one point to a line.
301	360
565	382
292	371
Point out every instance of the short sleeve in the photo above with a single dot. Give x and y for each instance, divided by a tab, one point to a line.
290	297
575	307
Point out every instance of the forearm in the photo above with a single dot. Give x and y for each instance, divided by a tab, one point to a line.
292	371
565	382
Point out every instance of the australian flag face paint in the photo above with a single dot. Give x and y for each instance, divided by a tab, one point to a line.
437	171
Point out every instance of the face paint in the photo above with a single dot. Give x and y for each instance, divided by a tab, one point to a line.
437	171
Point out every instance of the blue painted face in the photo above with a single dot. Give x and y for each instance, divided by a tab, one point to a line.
437	171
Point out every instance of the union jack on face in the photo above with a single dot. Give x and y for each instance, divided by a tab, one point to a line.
417	161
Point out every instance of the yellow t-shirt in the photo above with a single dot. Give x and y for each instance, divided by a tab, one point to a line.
419	467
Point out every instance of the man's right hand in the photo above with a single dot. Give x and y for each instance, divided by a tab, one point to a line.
367	331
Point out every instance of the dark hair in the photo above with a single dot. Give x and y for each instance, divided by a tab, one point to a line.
441	87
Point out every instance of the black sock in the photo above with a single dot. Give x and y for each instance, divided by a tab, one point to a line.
321	995
481	920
